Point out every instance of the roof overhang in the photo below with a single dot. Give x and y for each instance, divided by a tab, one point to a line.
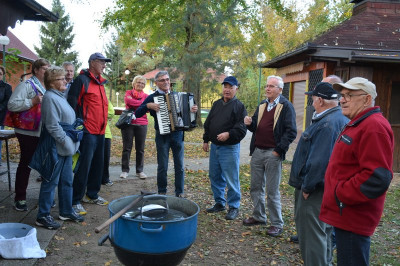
11	11
310	52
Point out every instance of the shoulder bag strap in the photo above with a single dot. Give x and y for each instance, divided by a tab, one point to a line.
33	86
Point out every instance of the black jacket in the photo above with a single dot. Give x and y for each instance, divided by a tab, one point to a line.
5	94
225	117
285	130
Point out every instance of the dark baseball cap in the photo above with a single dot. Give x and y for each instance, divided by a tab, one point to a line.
231	80
324	90
98	56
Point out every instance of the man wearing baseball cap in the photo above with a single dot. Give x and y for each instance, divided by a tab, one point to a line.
359	172
88	98
225	129
307	174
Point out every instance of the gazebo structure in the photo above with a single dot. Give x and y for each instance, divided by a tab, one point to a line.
366	45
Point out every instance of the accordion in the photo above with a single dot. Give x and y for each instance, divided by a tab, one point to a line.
174	113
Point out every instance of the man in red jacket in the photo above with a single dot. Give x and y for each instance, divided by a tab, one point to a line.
88	98
359	172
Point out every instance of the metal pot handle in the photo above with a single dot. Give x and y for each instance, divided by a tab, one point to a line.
151	230
102	239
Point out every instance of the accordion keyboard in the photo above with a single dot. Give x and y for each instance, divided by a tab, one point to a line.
162	115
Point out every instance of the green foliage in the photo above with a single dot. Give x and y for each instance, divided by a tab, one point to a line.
56	39
192	36
12	61
187	32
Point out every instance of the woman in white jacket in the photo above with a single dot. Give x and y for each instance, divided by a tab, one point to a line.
24	98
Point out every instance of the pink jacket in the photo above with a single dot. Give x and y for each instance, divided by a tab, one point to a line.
133	99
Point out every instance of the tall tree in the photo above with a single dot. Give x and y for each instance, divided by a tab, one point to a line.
188	32
56	39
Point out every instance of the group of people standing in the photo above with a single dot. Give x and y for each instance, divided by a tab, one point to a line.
341	169
73	132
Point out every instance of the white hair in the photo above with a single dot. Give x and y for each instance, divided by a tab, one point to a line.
280	80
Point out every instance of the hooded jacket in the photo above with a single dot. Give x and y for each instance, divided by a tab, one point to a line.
88	98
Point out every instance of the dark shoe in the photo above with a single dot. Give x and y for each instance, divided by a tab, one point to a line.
251	221
218	207
109	183
179	195
274	231
232	214
47	222
20	205
162	193
294	239
71	217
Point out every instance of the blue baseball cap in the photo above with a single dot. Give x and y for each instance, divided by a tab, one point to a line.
98	56
231	80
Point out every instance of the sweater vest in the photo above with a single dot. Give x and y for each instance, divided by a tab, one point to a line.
265	131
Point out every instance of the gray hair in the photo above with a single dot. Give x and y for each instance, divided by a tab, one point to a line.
332	79
280	80
67	63
160	73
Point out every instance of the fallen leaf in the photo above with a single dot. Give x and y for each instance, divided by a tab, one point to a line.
59	238
246	233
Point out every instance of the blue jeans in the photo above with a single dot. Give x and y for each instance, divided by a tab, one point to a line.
62	178
352	249
90	171
173	141
224	171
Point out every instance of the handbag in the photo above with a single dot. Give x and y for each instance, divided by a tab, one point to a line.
125	118
26	120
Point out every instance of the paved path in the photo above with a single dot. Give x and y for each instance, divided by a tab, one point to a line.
9	215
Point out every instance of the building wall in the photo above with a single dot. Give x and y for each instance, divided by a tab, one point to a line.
15	70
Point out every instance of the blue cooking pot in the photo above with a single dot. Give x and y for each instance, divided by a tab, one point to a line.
151	242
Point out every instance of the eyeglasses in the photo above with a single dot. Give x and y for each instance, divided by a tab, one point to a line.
347	96
271	86
163	80
141	83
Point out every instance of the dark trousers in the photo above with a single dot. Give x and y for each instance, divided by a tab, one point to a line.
139	133
352	249
107	154
27	145
90	172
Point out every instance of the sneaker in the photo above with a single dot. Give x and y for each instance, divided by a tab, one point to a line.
109	183
99	201
71	217
141	175
54	204
20	205
124	175
78	208
218	207
47	222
